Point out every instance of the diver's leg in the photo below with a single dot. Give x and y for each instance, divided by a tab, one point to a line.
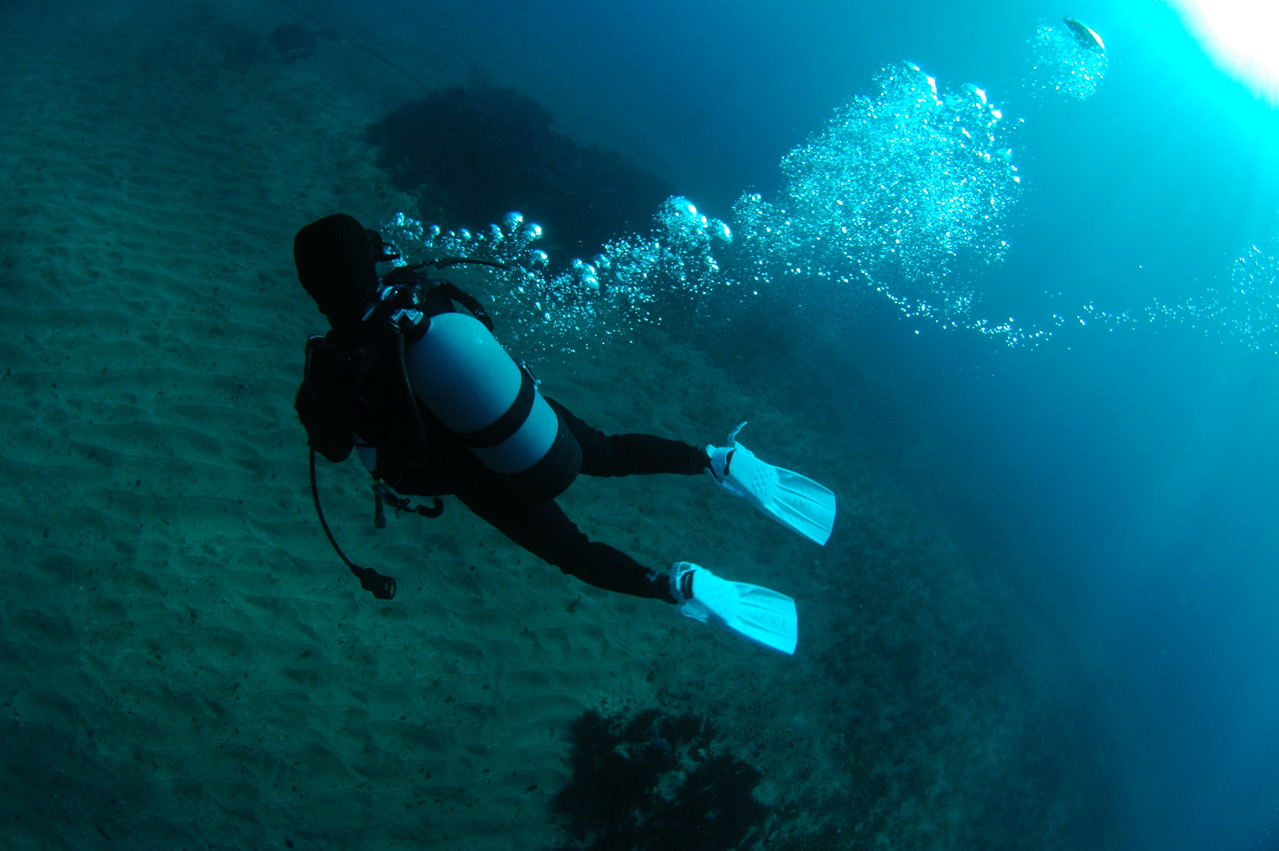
631	454
545	530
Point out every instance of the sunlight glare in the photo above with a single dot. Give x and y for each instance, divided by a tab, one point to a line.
1240	36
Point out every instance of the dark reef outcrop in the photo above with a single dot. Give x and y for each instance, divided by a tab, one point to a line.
472	154
651	781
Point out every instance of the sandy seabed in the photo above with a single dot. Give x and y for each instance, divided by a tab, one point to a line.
183	661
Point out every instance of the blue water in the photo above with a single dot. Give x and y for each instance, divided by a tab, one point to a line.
1131	465
1083	373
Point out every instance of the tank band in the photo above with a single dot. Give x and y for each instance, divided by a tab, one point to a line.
504	427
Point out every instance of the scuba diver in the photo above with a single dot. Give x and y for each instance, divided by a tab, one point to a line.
411	378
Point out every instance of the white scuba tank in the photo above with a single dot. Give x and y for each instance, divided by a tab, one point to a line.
464	376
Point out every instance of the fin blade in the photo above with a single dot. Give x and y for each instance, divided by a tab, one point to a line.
759	614
792	499
804	505
766	617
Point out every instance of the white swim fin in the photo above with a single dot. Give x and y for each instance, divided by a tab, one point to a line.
759	614
786	496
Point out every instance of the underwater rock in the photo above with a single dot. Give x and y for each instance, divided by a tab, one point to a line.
651	781
475	153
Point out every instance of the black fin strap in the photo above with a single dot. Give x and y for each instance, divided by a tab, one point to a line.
381	587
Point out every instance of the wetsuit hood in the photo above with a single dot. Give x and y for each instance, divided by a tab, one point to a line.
336	266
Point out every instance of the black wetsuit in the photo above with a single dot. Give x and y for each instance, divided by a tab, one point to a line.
541	527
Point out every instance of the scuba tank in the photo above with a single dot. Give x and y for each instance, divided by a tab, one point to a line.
464	376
